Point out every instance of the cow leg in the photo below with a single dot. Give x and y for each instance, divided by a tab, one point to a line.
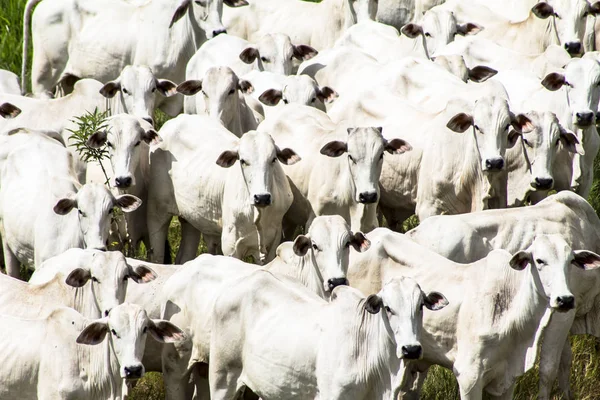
175	359
13	267
190	239
213	244
158	226
469	381
556	337
564	371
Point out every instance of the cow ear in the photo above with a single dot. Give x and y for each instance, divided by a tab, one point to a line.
360	242
94	333
271	97
141	274
468	29
97	140
593	9
78	277
435	301
460	123
304	52
166	87
110	89
301	245
521	123
180	12
165	332
373	304
245	87
481	73
327	94
65	205
227	158
8	110
397	146
542	10
334	149
128	202
190	88
554	81
570	141
586	259
520	260
249	54
151	137
235	3
411	30
287	156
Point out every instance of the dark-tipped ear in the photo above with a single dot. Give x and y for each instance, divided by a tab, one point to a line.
570	142
235	3
460	123
127	202
94	333
8	110
360	242
78	277
249	54
327	94
334	149
373	304
151	137
304	52
227	158
301	245
434	301
542	10
165	332
245	86
166	87
190	88
586	259
520	260
397	146
411	30
468	29
271	97
521	123
180	12
141	274
110	89
97	140
553	81
481	73
593	9
64	206
287	156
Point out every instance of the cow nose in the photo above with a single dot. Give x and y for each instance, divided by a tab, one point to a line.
411	352
584	118
367	197
134	371
565	303
573	48
495	164
262	200
219	31
544	183
123	181
149	120
335	282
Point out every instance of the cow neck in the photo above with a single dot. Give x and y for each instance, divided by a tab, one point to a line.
472	180
102	369
518	168
184	38
84	301
544	30
304	269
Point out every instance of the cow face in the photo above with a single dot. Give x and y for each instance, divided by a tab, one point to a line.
259	159
205	13
94	204
300	89
364	150
329	240
364	10
275	53
550	258
401	303
128	326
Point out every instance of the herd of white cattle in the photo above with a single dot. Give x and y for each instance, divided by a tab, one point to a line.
291	114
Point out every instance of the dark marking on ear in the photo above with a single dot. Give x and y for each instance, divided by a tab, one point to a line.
110	89
166	87
586	260
554	81
373	304
128	202
304	52
271	97
460	123
151	137
165	332
8	110
468	29
301	245
93	334
287	156
64	206
542	10
142	274
481	73
411	30
190	88
78	277
245	86
571	142
235	3
334	149
249	54
227	158
180	12
359	242
97	140
594	9
522	124
435	301
327	94
397	146
520	260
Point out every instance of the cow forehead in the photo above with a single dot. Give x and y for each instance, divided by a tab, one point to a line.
124	128
551	247
545	128
584	70
300	86
564	8
256	145
491	110
127	316
329	228
219	77
365	141
105	263
137	76
402	292
95	195
437	20
276	43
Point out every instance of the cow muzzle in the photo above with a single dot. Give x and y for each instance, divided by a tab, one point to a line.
123	182
494	164
335	282
542	183
262	200
573	48
564	303
584	119
367	197
134	371
412	352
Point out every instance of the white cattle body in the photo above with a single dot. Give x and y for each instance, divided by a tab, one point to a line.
69	356
318	25
487	335
241	207
222	97
470	237
37	200
9	83
396	13
369	337
354	192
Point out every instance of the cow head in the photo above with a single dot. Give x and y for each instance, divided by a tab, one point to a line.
300	89
95	204
205	13
401	302
137	88
275	52
127	327
259	160
365	148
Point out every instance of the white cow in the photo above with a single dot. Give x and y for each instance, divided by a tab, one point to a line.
487	335
65	355
37	200
398	13
8	110
318	25
350	348
9	83
241	207
354	192
223	98
318	260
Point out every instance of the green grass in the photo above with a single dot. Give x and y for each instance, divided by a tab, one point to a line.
440	384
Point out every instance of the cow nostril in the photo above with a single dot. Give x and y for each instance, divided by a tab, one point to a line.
565	302
544	183
495	164
134	371
262	200
218	32
367	197
335	282
573	47
123	181
106	312
584	118
411	352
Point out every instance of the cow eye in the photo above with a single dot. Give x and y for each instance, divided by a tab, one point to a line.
125	91
313	100
274	160
94	279
427	34
476	128
111	211
347	245
125	278
113	332
264	59
351	159
231	91
539	261
527	143
145	329
243	162
507	127
109	144
315	247
137	143
285	101
381	156
81	213
388	309
204	93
